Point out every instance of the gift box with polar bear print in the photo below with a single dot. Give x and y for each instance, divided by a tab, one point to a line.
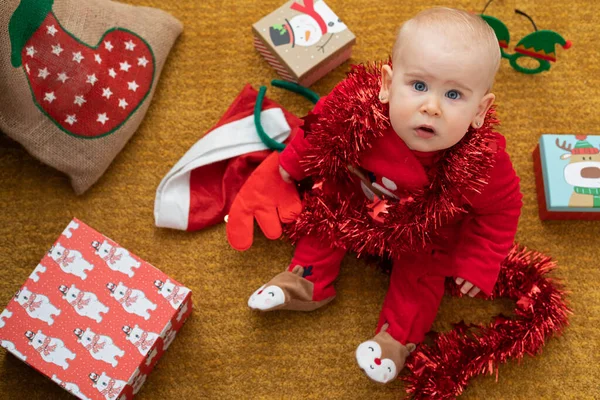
303	41
94	317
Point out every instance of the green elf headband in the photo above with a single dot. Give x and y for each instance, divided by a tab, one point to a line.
539	45
293	87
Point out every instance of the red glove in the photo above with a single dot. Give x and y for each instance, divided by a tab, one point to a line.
266	197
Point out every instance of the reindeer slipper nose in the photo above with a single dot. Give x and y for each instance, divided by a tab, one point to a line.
378	361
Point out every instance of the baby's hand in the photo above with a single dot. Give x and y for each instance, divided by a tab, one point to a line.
467	287
284	175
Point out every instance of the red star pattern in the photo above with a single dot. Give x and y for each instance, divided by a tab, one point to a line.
93	90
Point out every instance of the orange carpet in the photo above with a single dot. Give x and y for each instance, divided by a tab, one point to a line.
227	352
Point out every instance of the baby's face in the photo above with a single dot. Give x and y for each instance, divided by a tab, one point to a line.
436	90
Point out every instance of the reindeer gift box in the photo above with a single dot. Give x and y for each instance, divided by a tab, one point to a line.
94	317
567	169
303	40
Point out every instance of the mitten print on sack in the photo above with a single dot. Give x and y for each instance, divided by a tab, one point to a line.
87	91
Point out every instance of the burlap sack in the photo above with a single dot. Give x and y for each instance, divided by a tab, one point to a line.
77	76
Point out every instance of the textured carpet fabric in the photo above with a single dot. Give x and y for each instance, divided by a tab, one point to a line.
227	352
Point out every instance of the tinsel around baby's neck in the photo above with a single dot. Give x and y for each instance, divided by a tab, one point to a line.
354	115
348	122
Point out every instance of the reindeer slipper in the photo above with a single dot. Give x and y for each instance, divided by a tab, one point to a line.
286	291
383	357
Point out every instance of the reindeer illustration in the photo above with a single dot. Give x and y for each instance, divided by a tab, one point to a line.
583	172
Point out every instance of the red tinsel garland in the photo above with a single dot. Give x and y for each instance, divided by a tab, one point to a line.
350	119
443	369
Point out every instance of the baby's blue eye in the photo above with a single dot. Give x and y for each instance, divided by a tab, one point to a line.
453	94
419	86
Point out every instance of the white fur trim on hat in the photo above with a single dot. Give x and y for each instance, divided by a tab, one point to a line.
172	204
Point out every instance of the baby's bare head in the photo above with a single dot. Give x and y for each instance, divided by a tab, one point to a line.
455	30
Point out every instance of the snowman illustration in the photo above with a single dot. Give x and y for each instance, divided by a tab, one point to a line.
307	29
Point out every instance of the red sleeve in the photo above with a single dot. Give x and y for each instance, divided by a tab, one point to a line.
488	231
290	157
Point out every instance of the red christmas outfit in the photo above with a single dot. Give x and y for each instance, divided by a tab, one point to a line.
470	245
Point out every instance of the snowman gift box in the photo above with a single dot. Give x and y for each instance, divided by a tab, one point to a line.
567	170
303	41
94	317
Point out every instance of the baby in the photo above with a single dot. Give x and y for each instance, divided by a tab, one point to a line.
423	178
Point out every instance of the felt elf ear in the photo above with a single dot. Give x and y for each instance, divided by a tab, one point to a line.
499	28
501	32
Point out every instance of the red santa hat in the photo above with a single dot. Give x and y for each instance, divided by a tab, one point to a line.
199	190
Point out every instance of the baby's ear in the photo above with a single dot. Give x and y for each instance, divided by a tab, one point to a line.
411	347
484	105
386	83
